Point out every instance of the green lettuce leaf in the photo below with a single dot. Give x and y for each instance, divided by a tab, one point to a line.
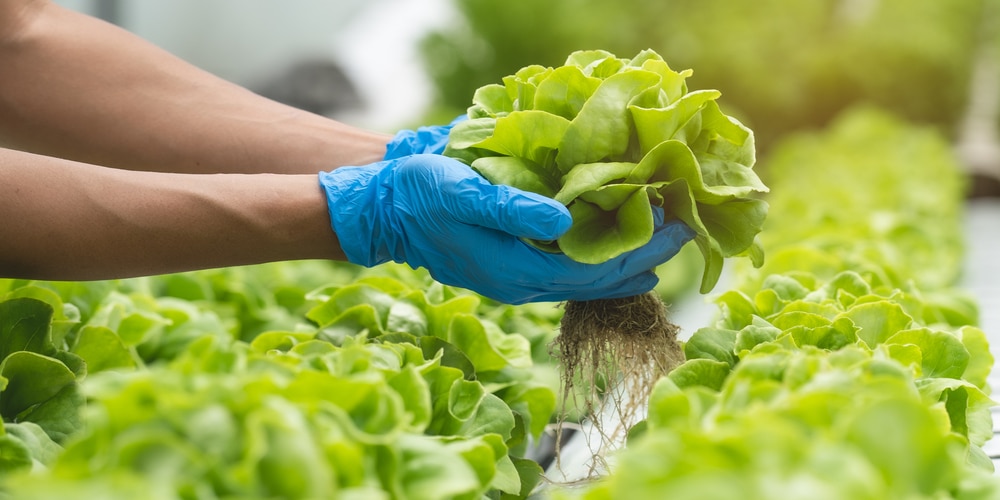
596	132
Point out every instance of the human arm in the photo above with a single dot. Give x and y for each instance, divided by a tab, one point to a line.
64	220
76	87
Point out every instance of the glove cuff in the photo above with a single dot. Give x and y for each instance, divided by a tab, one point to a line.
356	216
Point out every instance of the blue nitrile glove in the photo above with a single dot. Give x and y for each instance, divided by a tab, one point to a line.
435	212
430	139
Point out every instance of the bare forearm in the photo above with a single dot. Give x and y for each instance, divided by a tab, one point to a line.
70	221
78	88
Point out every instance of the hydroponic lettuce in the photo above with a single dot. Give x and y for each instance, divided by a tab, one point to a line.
608	137
611	139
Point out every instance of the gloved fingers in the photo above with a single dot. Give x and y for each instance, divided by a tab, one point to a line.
504	269
471	199
657	216
516	212
551	277
423	140
666	241
460	118
560	290
634	285
513	272
521	262
520	296
507	269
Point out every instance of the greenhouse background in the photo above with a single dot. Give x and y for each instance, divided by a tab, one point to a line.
385	64
877	126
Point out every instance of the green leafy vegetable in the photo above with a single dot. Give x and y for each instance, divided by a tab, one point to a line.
615	140
608	137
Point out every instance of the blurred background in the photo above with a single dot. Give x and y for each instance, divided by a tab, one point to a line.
782	66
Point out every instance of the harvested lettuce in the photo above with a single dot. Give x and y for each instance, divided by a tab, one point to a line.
608	137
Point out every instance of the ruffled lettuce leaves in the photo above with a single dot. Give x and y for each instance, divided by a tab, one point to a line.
608	137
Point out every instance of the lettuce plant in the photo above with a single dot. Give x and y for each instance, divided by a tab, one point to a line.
608	137
612	139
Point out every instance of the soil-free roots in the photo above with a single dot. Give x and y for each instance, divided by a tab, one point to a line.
611	352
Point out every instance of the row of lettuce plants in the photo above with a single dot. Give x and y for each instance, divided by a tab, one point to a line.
293	380
850	365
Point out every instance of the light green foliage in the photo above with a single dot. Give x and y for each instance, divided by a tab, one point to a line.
823	377
795	423
608	137
898	194
385	385
38	375
299	418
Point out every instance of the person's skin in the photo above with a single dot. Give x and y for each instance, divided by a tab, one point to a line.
118	159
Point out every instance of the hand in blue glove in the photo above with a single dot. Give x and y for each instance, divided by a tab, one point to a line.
435	212
430	139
